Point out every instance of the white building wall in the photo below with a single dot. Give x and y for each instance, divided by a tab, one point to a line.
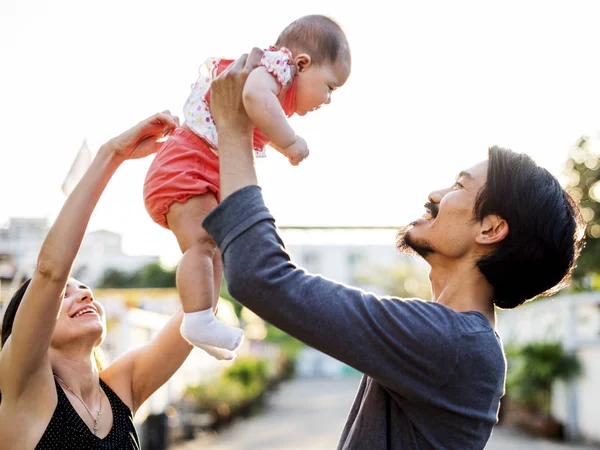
588	393
573	320
21	240
101	250
345	263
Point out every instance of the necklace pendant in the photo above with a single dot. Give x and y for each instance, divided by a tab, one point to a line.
95	427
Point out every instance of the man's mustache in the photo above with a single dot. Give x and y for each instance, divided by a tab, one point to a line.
434	208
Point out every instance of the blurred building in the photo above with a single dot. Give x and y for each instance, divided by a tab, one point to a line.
20	244
101	250
355	257
347	263
22	238
349	256
573	320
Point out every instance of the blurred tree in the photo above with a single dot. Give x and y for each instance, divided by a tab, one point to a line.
113	278
290	346
152	275
404	280
533	369
237	306
582	173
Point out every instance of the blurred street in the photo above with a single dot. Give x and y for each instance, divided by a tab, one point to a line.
308	414
510	439
302	414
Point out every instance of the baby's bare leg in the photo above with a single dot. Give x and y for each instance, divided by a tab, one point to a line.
199	279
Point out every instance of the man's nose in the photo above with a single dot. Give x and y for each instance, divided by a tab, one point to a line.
435	196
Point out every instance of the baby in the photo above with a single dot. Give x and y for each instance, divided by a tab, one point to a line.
297	75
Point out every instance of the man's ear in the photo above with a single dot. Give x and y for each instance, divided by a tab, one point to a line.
494	229
302	62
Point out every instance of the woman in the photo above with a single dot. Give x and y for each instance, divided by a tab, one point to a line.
55	392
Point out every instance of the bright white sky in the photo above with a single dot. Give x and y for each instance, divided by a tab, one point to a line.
433	85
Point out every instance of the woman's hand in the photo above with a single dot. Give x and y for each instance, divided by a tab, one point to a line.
142	139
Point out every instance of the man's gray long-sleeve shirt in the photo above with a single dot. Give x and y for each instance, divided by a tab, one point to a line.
443	370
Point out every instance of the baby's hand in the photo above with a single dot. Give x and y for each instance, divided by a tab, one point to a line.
296	152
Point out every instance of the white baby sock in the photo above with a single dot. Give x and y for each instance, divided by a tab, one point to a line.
202	329
218	353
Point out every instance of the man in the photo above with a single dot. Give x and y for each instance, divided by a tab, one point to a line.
434	371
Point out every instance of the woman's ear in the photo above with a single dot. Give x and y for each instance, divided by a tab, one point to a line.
302	62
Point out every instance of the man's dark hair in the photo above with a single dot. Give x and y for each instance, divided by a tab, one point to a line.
318	36
538	255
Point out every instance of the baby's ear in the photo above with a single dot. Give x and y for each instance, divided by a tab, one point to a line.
302	62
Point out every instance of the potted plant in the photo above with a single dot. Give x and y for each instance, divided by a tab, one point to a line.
533	369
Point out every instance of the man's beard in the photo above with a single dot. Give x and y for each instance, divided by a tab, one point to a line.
406	245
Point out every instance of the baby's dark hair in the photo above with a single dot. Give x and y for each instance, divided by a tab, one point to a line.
318	36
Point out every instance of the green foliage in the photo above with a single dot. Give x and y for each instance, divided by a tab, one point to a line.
154	275
289	345
150	276
237	306
113	278
218	396
582	171
403	280
240	384
533	368
251	373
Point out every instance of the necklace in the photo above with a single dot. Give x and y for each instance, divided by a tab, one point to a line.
83	403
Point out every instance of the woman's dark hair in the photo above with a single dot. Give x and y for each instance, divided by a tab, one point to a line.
11	311
538	255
